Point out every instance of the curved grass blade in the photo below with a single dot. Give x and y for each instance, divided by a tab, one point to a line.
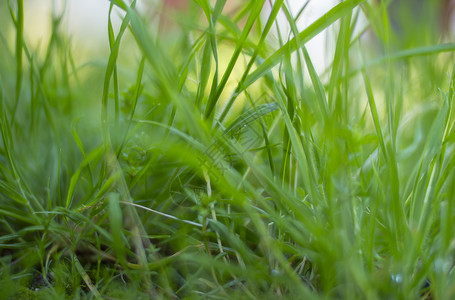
310	32
92	156
271	19
405	54
213	98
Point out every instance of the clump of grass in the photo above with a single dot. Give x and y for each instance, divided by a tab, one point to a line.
181	175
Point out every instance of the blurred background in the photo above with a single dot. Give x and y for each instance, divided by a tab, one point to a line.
86	21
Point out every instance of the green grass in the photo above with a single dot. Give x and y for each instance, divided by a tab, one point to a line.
211	160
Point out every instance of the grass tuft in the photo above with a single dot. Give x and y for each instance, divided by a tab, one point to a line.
197	158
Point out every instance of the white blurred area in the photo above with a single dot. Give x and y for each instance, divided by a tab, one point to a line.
322	47
86	22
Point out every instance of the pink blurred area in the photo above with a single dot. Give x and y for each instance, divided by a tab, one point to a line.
176	4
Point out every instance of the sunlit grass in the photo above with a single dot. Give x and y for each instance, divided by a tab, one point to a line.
203	160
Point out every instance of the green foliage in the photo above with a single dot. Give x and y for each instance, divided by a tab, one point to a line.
205	160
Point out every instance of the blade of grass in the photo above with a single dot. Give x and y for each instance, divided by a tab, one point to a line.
213	98
80	145
405	54
18	20
271	19
116	223
115	75
396	206
137	92
311	31
92	156
163	214
86	278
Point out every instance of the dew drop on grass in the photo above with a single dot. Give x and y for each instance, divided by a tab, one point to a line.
397	278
